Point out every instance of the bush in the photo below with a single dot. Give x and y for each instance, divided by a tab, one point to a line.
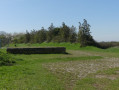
6	59
105	45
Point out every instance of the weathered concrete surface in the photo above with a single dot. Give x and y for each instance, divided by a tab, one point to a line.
40	50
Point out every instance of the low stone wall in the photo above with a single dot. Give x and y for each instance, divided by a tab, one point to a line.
43	50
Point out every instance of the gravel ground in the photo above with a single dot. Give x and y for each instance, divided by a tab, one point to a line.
82	68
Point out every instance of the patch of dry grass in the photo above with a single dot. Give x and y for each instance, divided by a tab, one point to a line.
82	68
111	77
75	70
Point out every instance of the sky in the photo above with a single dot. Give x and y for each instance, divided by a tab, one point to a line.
22	15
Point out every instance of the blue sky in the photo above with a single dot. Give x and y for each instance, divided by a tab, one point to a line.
22	15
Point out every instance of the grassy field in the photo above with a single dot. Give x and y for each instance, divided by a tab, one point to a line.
86	68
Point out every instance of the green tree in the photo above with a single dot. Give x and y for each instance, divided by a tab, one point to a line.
56	35
42	35
50	33
64	33
21	39
27	37
84	36
72	34
32	36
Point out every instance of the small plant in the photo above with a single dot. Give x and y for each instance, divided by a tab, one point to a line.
6	59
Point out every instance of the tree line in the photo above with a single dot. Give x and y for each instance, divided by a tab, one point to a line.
54	34
60	34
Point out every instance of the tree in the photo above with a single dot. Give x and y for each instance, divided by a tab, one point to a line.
32	36
42	35
64	33
72	35
50	33
56	35
84	36
27	37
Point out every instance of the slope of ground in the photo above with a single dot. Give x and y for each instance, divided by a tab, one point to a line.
83	68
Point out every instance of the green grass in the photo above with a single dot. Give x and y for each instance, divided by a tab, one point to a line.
30	74
76	58
92	83
69	46
73	46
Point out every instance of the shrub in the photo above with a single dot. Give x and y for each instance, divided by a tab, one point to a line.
105	45
6	59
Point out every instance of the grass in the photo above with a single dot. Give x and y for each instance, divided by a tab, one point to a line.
87	68
108	80
28	74
69	46
73	46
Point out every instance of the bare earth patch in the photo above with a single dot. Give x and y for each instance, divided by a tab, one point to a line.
111	77
117	72
80	69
